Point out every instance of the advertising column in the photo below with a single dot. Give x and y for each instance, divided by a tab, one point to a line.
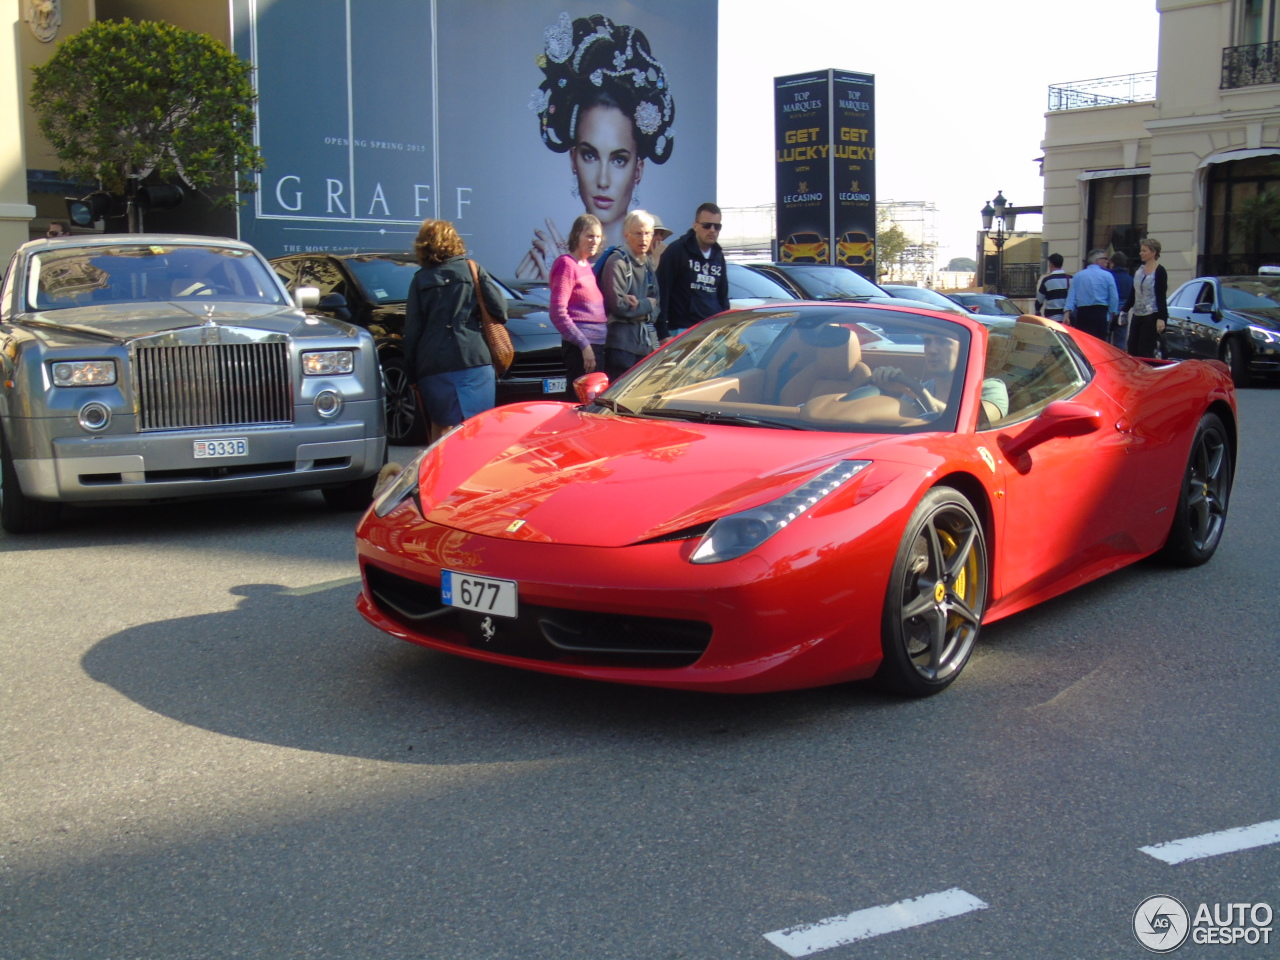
802	154
853	150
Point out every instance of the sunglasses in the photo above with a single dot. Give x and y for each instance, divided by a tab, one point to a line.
710	226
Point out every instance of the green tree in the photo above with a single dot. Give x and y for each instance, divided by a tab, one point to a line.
121	100
963	265
891	243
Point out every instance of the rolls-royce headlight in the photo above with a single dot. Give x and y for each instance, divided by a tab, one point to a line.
83	373
739	533
326	363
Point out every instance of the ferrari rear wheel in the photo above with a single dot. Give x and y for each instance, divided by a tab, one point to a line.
937	594
1201	514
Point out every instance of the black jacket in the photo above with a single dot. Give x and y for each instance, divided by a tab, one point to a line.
442	321
691	287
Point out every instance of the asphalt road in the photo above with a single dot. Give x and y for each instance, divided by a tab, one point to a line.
206	753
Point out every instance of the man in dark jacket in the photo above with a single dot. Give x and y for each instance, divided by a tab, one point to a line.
693	283
1124	287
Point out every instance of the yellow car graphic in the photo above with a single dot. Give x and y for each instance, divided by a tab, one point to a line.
855	249
805	248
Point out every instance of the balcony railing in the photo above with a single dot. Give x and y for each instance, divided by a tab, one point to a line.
1103	91
1250	65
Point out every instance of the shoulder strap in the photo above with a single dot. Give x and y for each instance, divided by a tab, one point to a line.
480	304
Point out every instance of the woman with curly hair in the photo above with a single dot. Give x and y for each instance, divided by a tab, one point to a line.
606	103
443	342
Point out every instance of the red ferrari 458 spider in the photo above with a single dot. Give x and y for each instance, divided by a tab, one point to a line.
797	495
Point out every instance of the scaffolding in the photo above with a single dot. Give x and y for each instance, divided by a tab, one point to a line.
918	219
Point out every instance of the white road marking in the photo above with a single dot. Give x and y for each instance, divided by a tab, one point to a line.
319	587
1214	844
862	924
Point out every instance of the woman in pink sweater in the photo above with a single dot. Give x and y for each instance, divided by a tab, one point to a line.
577	306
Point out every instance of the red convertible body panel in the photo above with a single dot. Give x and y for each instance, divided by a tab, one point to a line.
595	516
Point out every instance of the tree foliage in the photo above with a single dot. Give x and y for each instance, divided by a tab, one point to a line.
891	243
122	99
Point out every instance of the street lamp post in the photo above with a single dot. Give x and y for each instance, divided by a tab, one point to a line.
1005	215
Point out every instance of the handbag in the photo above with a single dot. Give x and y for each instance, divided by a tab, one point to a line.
501	351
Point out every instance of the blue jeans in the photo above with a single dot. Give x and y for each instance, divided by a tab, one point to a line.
452	397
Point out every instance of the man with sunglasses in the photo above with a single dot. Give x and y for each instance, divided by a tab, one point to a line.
693	283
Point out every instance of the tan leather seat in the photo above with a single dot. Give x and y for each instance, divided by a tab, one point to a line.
835	367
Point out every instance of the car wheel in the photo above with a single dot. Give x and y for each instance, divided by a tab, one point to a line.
406	425
18	512
936	596
1237	360
1201	514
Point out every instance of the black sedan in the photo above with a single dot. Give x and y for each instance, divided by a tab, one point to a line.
987	304
819	281
1232	319
371	289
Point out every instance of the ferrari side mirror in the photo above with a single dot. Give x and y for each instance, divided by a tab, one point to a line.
1062	418
590	385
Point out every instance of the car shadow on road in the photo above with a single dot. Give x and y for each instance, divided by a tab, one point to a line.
208	522
329	682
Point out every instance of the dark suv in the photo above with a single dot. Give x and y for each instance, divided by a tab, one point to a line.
371	289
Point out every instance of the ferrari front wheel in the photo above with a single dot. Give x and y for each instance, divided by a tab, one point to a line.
936	597
1201	514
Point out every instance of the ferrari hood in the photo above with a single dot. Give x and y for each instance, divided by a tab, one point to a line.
124	322
551	473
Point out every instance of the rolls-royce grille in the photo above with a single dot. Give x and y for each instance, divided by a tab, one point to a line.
213	385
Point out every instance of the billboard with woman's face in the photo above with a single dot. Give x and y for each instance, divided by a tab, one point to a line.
508	118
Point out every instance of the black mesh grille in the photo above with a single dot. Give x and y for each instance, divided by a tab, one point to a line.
542	633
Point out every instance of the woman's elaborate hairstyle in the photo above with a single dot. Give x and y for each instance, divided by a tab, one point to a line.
1154	245
580	226
437	241
591	62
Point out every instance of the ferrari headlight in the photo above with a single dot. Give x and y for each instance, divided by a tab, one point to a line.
1264	335
739	533
326	363
403	485
83	373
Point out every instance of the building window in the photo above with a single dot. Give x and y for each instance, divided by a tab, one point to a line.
1117	214
1257	21
1228	249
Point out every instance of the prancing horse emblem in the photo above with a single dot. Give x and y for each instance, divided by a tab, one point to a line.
487	629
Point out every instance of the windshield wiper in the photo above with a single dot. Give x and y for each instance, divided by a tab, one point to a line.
614	405
851	297
718	416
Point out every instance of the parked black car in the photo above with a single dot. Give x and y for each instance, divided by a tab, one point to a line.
820	281
987	304
371	290
1232	319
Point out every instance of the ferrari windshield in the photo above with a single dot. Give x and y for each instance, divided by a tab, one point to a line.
842	368
70	276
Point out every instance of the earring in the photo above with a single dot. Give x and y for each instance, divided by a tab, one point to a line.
635	199
574	189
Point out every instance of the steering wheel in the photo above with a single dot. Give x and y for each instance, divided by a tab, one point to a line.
203	288
916	389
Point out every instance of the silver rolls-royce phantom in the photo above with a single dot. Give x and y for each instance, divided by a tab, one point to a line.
144	367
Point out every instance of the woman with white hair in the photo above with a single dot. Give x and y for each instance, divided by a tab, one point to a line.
630	290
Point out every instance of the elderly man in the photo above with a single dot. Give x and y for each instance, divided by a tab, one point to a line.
1093	297
630	297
